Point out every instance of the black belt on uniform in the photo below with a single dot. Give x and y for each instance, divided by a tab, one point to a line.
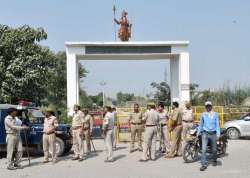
48	133
15	134
77	127
150	125
187	121
162	125
210	132
136	123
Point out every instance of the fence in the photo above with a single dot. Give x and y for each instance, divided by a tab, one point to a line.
123	130
225	114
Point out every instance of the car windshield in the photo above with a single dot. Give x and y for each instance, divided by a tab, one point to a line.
243	116
35	116
36	113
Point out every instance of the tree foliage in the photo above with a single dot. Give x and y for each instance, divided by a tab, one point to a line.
162	92
24	64
57	85
224	96
122	98
30	71
90	101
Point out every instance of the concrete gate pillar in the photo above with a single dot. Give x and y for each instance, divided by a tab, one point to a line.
179	77
72	79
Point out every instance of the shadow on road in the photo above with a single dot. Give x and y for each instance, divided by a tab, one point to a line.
119	157
120	148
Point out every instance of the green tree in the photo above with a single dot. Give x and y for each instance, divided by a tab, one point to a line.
24	64
122	98
194	93
162	93
85	100
57	81
97	99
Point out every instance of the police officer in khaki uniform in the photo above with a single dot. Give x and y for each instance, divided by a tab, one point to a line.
87	129
49	136
108	132
136	126
13	140
175	125
77	133
187	122
114	112
163	129
151	119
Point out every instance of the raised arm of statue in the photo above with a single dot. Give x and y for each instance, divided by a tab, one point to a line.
116	21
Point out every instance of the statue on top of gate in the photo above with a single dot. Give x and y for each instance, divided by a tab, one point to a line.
124	32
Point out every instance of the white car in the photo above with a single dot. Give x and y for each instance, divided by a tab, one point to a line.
238	128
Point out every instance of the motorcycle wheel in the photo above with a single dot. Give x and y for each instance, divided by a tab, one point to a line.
223	148
190	152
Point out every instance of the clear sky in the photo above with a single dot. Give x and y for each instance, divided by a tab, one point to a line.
218	31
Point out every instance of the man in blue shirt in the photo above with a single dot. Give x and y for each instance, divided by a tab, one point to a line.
210	131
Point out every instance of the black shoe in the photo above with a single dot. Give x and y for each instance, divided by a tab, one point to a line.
18	166
109	160
75	158
203	168
214	163
10	167
143	160
80	159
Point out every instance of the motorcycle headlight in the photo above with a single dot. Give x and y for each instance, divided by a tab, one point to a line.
192	131
59	132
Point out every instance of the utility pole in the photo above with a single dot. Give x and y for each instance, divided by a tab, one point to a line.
166	75
114	10
103	83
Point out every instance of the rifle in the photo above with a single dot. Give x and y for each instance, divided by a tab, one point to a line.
92	143
26	145
160	137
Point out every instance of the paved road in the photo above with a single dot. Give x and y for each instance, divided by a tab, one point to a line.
236	164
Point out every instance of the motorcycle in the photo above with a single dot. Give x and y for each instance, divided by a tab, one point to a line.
193	148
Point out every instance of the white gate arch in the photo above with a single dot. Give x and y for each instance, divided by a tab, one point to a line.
175	51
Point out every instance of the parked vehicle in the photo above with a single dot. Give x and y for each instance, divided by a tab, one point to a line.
193	149
33	117
239	127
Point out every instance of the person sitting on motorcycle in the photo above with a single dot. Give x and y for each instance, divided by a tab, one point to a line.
210	131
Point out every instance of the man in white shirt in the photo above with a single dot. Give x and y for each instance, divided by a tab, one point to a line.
114	112
108	132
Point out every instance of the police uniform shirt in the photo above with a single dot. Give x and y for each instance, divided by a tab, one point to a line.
88	122
78	119
176	116
163	117
11	126
187	115
108	120
151	117
135	118
50	123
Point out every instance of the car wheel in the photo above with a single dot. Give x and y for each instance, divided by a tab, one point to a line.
233	133
59	147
